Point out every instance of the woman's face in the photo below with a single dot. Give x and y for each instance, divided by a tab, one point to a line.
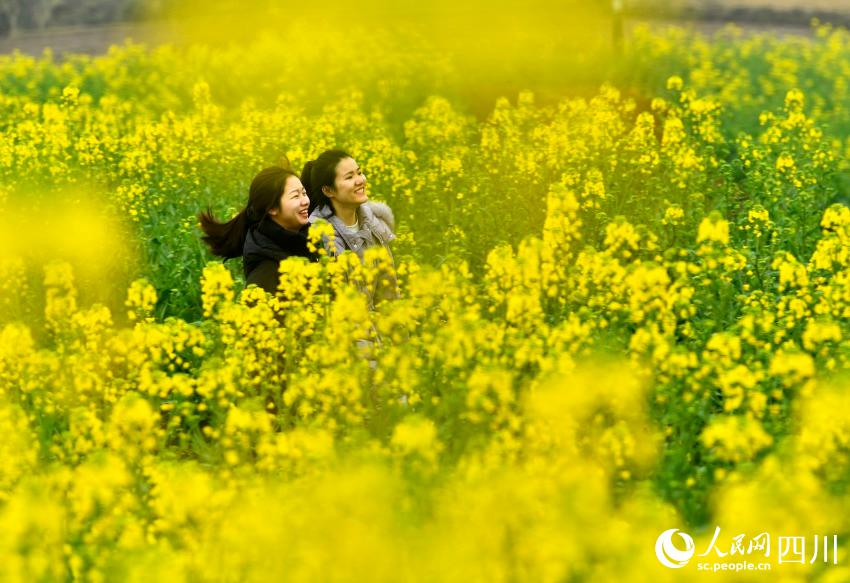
291	212
349	184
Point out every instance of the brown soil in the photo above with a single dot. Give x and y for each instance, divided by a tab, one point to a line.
87	39
825	5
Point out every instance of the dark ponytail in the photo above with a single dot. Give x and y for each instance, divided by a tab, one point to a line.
227	239
224	239
319	173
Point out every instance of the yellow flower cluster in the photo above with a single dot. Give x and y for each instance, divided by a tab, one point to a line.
734	439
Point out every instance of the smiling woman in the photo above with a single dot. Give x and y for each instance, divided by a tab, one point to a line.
337	188
272	227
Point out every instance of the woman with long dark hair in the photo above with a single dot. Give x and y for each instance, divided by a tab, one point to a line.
272	226
337	189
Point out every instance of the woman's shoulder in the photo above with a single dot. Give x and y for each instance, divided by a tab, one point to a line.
321	212
382	212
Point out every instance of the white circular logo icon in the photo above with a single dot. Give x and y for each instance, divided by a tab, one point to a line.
668	554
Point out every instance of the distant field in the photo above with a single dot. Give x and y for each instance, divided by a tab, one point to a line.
783	16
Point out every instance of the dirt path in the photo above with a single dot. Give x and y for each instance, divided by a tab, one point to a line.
711	27
837	6
88	40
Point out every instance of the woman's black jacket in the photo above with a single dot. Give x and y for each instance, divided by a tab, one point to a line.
266	245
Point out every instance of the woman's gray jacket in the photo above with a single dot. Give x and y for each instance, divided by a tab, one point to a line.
376	227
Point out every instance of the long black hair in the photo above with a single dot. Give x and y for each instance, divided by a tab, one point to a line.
227	239
319	173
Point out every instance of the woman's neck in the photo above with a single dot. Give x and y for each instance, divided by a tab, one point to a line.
347	214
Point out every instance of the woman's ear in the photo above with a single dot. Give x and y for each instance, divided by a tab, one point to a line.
327	191
273	211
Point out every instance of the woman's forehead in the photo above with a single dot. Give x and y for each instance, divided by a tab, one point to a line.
346	165
292	182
